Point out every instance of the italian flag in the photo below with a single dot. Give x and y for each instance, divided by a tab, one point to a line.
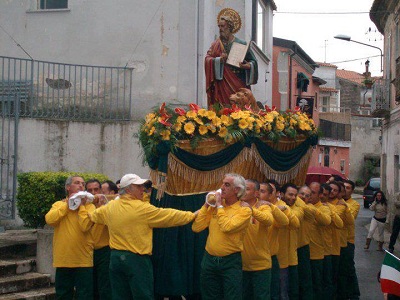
390	274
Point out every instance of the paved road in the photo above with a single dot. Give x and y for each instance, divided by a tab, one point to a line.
368	262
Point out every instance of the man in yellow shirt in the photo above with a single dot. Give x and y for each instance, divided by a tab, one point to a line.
347	281
72	245
221	267
303	250
256	255
329	242
130	222
101	254
316	230
344	212
288	241
268	193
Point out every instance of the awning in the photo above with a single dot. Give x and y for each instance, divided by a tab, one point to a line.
302	81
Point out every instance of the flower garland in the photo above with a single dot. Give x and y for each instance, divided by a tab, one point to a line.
169	125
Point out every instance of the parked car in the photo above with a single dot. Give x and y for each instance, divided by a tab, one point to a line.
373	185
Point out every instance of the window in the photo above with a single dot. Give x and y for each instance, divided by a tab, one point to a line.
53	4
326	156
376	122
342	162
260	26
325	104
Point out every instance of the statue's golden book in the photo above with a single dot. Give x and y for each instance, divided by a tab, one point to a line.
237	54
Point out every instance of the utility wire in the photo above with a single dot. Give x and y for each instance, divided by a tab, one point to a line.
331	13
355	59
148	25
18	44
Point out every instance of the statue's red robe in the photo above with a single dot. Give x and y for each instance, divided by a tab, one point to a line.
218	91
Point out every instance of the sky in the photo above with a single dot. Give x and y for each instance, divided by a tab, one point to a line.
314	33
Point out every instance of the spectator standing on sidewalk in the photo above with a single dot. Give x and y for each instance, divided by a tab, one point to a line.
379	206
396	224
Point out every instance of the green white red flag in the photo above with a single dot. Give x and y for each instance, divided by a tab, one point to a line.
390	274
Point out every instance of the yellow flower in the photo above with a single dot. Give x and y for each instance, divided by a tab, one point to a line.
165	135
202	112
243	124
226	120
149	117
211	114
212	128
177	127
181	119
189	128
152	130
304	126
269	117
191	114
222	132
199	121
292	122
203	129
280	125
216	121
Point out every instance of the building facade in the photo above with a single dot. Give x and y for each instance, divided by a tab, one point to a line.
86	73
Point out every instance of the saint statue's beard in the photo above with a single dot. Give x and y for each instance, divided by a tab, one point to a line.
224	36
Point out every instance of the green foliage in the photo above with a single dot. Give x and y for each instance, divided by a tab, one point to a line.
37	191
370	166
359	182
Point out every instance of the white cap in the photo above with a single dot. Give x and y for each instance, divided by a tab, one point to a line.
129	179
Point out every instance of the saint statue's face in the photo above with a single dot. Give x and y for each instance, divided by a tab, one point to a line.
224	31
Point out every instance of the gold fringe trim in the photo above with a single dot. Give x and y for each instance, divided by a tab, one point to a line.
183	180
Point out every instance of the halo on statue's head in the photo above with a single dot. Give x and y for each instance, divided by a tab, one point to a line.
232	15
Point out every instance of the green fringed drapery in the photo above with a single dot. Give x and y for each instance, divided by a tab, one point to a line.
177	251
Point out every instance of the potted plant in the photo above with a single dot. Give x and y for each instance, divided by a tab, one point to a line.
368	82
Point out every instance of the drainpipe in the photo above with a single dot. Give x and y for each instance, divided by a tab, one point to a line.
290	79
196	74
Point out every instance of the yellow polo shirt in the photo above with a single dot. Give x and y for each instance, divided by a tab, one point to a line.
256	254
72	241
322	221
99	232
335	228
131	221
308	220
354	207
288	238
227	227
280	220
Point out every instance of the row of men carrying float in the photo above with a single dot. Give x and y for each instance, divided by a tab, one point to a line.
264	242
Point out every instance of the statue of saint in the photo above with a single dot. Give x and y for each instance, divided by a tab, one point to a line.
223	79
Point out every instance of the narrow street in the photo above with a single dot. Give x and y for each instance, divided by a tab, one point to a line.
368	262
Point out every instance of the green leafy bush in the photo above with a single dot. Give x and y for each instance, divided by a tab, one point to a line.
37	191
359	182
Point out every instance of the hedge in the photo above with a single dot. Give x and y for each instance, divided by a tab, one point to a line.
37	191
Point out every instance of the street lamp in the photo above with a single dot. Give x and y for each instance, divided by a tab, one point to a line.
348	39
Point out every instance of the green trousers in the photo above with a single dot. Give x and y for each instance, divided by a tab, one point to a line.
335	273
275	282
256	285
328	281
101	274
347	277
304	267
293	283
317	271
69	278
131	276
221	277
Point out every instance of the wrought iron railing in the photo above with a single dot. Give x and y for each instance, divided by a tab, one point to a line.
65	91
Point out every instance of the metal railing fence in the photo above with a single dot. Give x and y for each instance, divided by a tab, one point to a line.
65	91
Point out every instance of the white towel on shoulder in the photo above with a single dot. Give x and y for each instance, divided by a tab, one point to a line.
75	201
